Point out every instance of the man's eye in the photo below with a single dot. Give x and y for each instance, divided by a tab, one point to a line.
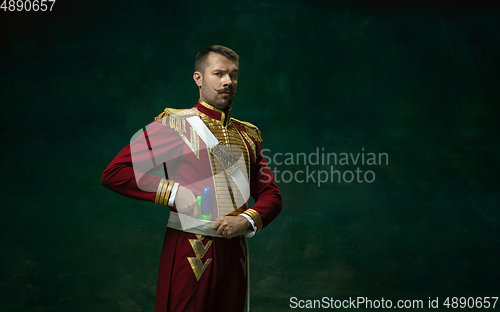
217	74
233	76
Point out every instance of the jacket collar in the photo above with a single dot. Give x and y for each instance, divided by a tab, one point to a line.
213	112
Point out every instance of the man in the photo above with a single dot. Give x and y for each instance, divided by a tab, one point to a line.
203	265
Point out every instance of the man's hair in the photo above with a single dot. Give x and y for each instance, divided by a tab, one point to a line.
200	62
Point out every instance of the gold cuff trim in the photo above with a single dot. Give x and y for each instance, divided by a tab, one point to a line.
167	193
163	192
158	191
256	218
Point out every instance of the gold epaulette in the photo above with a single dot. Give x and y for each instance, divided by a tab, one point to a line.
177	118
250	129
180	113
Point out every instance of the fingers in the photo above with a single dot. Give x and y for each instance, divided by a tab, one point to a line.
223	227
219	225
216	223
186	202
224	232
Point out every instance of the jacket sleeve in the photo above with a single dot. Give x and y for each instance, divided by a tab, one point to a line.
129	173
265	192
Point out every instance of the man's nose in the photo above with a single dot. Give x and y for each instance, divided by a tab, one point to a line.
227	81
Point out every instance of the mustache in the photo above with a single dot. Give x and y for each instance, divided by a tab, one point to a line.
224	90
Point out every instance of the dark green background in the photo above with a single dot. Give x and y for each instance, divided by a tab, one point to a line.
418	81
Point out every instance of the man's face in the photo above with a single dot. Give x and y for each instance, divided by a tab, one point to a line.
219	81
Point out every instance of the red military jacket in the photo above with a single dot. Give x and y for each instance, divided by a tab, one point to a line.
173	148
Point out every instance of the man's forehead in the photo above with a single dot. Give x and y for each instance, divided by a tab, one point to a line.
217	61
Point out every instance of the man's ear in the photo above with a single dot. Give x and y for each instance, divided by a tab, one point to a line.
197	77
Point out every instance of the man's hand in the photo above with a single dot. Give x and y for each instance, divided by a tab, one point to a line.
230	226
186	202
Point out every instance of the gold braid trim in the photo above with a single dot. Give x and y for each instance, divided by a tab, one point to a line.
158	192
236	212
167	193
176	118
178	124
250	129
163	192
256	218
160	116
199	250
